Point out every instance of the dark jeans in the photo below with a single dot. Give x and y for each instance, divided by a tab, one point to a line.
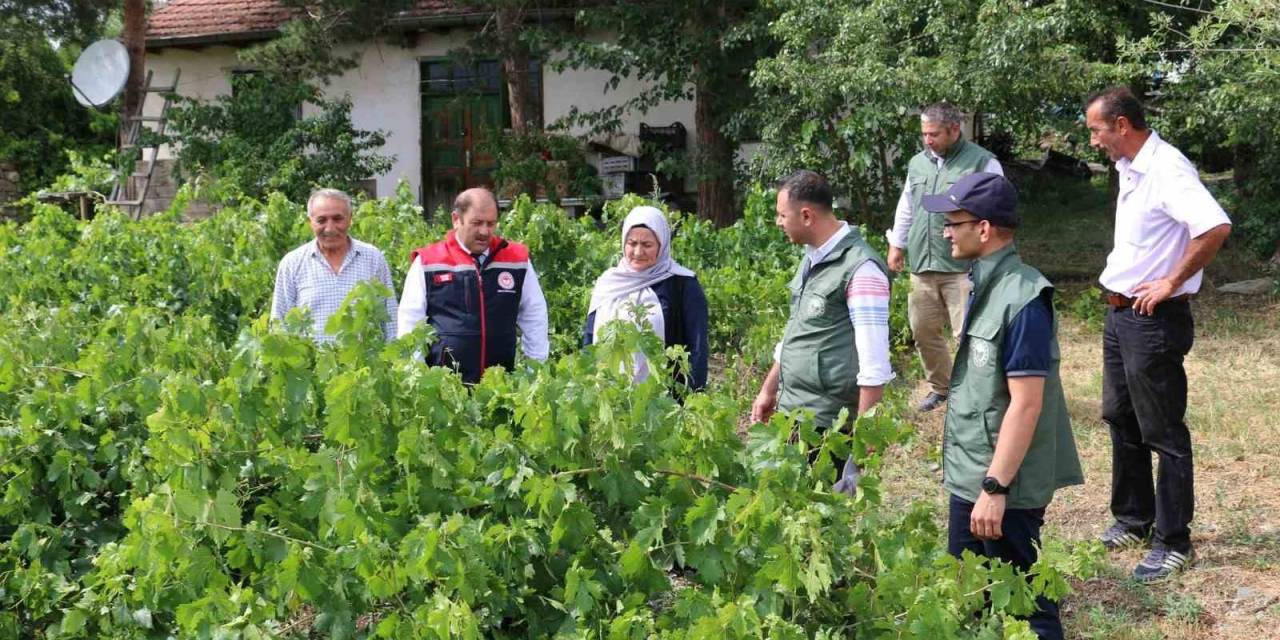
1144	400
1020	531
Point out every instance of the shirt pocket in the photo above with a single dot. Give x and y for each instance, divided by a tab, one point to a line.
982	351
917	189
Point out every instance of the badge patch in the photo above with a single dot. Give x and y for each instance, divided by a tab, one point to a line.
982	353
506	280
442	278
815	307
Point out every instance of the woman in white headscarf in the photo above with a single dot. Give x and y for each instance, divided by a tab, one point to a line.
646	276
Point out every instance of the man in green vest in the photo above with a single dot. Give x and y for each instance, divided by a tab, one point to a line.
834	352
1007	442
939	281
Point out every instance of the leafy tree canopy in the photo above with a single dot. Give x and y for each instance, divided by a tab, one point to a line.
256	141
39	117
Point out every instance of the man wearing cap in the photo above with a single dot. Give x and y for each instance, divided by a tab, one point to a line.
1168	227
1007	443
939	282
476	289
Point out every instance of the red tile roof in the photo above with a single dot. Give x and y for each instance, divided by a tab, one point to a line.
206	21
195	18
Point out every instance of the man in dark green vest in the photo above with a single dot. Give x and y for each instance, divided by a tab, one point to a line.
834	352
939	281
1007	442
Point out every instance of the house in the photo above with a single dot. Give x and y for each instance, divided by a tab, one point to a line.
404	85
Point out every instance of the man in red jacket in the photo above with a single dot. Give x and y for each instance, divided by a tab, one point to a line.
476	289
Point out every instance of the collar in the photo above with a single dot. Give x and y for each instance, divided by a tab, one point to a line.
984	268
955	148
354	248
1141	162
818	254
458	242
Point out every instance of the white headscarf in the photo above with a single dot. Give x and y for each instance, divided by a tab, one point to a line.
622	280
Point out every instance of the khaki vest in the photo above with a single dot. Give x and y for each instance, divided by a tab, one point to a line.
819	360
1003	285
927	250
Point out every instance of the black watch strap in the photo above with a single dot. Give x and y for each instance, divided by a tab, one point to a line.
991	485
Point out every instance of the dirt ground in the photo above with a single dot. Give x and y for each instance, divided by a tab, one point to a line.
1233	590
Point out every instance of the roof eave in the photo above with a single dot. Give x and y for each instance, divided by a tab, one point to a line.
479	17
208	39
403	24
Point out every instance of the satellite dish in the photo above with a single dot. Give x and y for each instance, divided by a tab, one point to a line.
100	73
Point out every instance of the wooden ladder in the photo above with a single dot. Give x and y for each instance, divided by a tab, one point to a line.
133	185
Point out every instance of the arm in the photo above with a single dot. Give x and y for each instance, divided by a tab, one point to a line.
1200	251
413	300
867	299
285	295
1028	359
695	331
767	400
384	276
1026	396
901	226
532	318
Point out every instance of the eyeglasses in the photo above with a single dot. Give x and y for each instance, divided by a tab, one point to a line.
951	225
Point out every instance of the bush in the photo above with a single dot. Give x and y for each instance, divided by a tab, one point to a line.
256	141
175	465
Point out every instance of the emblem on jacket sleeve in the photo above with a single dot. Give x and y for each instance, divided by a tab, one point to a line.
506	280
982	353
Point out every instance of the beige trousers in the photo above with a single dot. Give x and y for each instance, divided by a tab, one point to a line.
937	299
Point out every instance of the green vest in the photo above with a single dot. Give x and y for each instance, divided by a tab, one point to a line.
1003	285
819	360
927	250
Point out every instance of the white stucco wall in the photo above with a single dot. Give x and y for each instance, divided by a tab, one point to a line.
384	89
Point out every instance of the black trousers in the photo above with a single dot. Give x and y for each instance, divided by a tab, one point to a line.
1020	534
1144	401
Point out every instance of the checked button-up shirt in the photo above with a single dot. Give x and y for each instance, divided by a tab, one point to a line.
305	279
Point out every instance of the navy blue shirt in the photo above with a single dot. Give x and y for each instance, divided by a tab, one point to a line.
1029	338
684	316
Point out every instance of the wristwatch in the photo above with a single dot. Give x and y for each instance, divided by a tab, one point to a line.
992	486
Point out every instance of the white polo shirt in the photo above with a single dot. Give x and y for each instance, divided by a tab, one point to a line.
1162	205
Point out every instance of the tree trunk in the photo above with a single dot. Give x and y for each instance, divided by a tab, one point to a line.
714	162
515	66
134	36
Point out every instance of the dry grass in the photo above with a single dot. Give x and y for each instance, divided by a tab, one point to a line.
1233	591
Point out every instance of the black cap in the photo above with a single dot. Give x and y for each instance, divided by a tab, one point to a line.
988	196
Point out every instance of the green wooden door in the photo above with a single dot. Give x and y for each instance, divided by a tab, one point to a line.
462	107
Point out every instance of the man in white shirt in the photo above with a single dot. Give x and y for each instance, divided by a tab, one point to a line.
1168	227
476	289
939	283
318	275
834	353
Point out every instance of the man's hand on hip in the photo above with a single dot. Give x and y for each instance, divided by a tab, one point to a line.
987	514
1148	295
897	259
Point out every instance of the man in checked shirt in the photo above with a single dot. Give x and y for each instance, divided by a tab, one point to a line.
319	274
834	352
